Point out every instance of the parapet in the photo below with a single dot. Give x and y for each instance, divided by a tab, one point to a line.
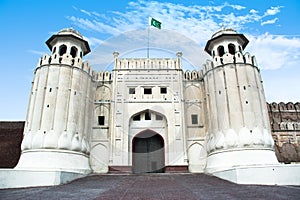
193	75
103	76
65	60
147	63
227	58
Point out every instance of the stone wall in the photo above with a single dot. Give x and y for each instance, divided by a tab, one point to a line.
285	126
284	121
11	134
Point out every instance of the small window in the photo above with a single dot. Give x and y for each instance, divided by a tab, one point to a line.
137	118
163	90
62	49
159	117
131	90
147	90
147	115
73	52
221	51
194	119
101	120
231	49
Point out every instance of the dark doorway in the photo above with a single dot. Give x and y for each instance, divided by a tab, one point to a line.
148	153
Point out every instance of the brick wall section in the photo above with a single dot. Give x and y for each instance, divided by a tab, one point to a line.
285	125
11	134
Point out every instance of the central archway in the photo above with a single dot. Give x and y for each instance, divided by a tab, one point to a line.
148	153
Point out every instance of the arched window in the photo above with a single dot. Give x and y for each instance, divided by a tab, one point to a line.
54	50
231	49
73	52
80	54
62	49
213	53
221	51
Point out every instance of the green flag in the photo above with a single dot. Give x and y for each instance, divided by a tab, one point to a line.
155	23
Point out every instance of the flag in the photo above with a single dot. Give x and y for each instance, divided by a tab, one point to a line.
155	23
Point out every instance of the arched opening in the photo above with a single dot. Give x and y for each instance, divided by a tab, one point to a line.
54	50
62	49
73	52
231	49
221	51
148	153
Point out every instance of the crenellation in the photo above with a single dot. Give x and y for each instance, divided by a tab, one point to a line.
239	58
145	63
254	62
247	58
45	60
217	61
228	58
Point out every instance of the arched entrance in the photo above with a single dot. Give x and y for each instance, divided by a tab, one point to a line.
148	153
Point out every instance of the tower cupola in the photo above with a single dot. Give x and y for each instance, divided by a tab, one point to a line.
70	42
226	41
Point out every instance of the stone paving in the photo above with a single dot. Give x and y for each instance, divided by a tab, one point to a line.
152	186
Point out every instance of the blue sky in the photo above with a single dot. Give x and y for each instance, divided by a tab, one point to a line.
272	27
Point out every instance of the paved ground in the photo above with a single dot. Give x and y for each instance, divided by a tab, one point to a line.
153	186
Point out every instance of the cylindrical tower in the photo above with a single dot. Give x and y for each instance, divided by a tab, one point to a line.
55	134
238	132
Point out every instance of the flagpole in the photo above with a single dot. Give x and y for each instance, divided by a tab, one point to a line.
148	38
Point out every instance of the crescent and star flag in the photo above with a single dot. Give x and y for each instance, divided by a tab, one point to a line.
155	23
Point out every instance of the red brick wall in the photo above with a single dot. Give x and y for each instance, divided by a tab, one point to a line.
285	125
11	134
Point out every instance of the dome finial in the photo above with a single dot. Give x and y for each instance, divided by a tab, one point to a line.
223	27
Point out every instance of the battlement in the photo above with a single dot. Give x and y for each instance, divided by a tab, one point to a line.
147	63
237	58
276	107
65	60
193	75
103	76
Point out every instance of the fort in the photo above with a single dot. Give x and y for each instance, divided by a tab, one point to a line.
147	115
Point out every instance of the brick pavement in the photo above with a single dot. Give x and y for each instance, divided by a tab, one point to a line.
152	186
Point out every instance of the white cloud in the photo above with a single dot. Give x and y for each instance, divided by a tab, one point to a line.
252	11
271	21
273	10
275	52
198	23
86	12
40	53
93	41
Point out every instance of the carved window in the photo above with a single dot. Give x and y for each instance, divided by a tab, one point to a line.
231	48
147	115
131	90
147	90
62	49
221	51
194	119
137	117
158	117
101	120
163	90
73	52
